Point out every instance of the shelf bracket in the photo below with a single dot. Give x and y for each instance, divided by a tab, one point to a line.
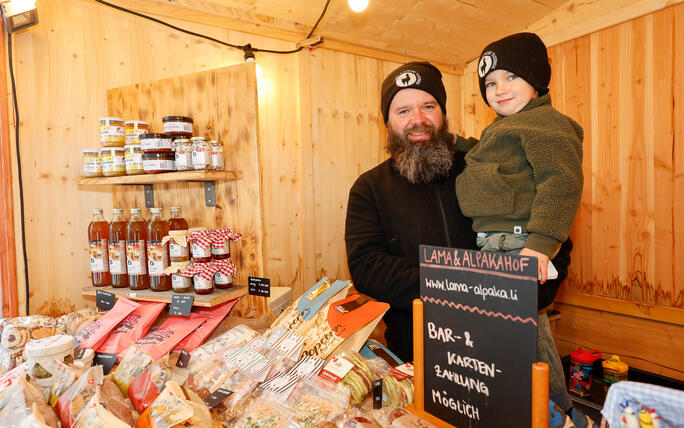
210	193
149	196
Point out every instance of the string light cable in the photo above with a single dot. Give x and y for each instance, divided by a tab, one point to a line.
247	49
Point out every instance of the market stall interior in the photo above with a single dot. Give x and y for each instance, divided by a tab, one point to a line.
250	121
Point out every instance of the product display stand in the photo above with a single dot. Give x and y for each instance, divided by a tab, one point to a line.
205	300
540	380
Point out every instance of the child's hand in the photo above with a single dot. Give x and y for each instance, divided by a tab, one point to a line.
542	262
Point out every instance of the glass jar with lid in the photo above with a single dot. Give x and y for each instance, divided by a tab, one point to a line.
92	166
135	128
155	162
178	125
112	132
133	159
183	152
217	155
155	142
201	153
113	161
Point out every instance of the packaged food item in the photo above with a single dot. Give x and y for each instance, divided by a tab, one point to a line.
395	392
399	417
372	349
46	356
132	328
182	148
146	387
72	401
136	251
179	283
178	245
300	315
200	244
96	332
350	319
113	161
156	162
112	132
351	418
157	251
175	406
202	276
220	242
162	340
22	403
352	372
83	361
18	331
313	404
114	401
214	317
216	155
74	321
91	163
178	126
219	346
281	386
133	159
63	377
98	235
153	142
94	414
242	387
12	377
201	153
117	249
132	364
266	413
225	272
134	129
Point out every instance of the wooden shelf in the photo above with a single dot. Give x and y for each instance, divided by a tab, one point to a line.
165	177
206	300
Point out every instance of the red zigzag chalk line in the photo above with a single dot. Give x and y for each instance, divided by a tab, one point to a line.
478	310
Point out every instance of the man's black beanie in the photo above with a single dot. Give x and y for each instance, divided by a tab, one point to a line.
418	75
523	54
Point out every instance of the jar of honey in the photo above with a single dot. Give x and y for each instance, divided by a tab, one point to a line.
201	153
182	148
117	249
112	132
178	125
157	251
98	238
113	164
92	166
135	128
133	159
156	143
155	162
136	251
216	155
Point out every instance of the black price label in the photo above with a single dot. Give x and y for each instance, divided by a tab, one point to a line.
259	286
377	394
181	304
78	354
105	360
217	397
104	300
183	359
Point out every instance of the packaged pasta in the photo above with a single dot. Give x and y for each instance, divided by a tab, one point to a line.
242	387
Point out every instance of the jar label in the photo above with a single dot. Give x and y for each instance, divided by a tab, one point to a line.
92	166
199	252
201	283
200	158
117	257
133	135
111	131
158	165
136	258
134	162
99	262
178	127
157	258
183	159
176	250
217	160
221	251
222	279
112	163
180	281
156	143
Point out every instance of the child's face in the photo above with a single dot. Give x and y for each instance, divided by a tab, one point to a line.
507	93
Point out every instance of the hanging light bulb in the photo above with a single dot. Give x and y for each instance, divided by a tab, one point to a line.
358	5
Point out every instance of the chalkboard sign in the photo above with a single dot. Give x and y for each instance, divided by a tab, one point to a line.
479	336
259	286
181	304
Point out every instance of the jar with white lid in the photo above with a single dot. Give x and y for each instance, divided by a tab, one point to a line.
92	165
182	148
133	159
41	353
155	142
201	153
112	132
217	162
135	128
113	164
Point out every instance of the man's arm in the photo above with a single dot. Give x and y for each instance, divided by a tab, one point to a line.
374	271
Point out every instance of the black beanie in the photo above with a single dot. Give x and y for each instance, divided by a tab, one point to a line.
523	54
418	75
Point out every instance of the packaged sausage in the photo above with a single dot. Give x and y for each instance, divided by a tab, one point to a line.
94	334
132	328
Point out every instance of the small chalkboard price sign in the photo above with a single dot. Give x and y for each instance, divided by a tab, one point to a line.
479	336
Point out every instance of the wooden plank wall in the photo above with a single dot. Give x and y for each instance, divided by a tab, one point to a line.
319	128
624	85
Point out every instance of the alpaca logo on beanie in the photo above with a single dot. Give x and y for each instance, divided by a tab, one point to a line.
487	63
407	78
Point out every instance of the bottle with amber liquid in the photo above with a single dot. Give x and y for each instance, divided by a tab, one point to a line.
157	254
98	236
177	225
117	249
136	251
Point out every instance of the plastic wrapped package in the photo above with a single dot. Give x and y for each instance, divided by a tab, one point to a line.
114	401
132	364
63	377
72	401
210	379
95	414
175	407
393	417
359	380
17	332
132	328
396	393
23	403
147	386
350	418
267	413
243	388
218	347
313	403
74	321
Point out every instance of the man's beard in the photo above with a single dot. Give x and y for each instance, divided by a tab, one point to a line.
422	163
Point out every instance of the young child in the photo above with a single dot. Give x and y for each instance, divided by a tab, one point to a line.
523	179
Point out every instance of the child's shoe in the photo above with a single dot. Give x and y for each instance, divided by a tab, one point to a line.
557	418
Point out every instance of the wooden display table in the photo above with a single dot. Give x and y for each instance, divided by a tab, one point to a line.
206	300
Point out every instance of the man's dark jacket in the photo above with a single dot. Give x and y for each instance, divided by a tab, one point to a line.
387	219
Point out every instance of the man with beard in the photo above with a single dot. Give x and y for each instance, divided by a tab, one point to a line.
409	200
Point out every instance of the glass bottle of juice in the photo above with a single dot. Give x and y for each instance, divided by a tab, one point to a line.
157	254
179	227
117	249
98	236
136	254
